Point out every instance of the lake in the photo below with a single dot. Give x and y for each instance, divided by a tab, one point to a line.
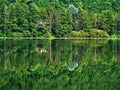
59	64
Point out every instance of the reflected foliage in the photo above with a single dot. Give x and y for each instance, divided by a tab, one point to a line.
59	64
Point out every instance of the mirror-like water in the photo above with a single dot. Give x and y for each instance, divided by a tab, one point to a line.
59	64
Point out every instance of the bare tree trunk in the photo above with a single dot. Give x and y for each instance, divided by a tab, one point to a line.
50	20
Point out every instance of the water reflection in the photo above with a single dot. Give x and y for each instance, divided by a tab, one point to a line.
59	64
74	59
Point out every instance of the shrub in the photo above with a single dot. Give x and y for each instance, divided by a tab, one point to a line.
14	34
118	34
26	33
83	34
113	36
1	35
94	33
74	34
97	33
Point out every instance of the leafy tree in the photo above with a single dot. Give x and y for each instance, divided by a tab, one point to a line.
33	18
107	21
117	20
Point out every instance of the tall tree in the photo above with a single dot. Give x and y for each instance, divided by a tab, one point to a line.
33	18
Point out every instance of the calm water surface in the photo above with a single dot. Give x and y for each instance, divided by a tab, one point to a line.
59	64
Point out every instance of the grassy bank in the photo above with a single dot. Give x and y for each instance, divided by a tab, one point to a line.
94	33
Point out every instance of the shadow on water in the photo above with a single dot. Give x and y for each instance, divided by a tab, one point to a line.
59	64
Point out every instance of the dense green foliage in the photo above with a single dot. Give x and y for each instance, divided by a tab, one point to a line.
22	67
38	18
88	34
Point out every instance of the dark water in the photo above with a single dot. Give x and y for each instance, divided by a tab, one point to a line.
59	64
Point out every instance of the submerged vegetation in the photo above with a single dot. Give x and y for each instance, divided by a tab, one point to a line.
44	64
59	18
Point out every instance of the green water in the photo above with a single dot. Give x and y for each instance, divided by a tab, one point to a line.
59	64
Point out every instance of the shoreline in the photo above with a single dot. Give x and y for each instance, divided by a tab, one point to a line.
72	38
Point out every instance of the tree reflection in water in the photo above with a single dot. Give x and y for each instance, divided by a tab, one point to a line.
74	62
47	65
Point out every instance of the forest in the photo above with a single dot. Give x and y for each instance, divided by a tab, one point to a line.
54	18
